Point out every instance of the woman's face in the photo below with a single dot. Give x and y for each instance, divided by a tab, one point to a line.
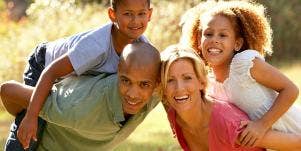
182	87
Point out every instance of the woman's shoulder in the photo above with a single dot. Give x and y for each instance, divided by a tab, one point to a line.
225	112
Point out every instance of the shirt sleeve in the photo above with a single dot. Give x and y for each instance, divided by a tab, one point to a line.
241	65
87	53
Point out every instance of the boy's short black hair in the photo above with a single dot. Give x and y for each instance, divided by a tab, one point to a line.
114	3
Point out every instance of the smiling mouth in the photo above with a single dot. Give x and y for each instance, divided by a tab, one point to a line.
181	99
135	28
214	51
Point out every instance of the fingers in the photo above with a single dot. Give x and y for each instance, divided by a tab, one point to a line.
23	138
243	124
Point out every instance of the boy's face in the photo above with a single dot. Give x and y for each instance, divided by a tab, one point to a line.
136	85
131	17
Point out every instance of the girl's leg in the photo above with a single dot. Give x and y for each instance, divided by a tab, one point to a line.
15	96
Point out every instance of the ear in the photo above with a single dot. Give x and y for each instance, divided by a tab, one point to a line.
150	13
201	84
112	14
238	44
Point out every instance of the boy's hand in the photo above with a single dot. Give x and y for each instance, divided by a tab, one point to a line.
252	134
27	131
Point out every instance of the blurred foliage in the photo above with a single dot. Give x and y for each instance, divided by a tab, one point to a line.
51	19
286	24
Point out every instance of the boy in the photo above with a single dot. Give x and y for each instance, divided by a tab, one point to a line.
93	112
92	52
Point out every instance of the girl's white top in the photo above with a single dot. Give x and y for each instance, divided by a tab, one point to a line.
250	96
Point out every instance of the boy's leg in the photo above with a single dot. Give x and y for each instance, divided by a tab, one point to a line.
36	65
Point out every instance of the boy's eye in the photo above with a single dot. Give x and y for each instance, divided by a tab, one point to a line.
127	14
142	14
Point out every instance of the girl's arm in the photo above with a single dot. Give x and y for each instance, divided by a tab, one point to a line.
28	127
280	141
270	77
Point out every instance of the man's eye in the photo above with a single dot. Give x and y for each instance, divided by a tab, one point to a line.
125	81
145	84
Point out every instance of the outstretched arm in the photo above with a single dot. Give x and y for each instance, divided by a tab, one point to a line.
270	77
28	127
15	96
281	141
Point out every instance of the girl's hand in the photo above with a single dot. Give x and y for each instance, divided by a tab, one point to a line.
252	134
27	131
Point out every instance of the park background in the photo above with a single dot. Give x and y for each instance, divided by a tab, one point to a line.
25	23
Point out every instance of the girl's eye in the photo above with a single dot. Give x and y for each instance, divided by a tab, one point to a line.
223	35
208	34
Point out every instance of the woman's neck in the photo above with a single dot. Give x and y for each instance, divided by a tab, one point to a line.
188	120
119	40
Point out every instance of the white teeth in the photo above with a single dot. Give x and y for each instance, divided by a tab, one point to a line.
132	103
214	50
181	98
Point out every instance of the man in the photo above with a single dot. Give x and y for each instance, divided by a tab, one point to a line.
96	112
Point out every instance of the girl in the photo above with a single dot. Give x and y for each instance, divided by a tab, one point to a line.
233	38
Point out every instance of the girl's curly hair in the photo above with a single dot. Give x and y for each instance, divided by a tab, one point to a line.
248	18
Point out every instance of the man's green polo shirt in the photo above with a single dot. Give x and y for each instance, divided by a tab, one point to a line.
84	113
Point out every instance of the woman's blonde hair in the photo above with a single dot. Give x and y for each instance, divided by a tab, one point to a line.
249	20
176	52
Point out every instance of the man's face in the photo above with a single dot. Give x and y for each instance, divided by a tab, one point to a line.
136	85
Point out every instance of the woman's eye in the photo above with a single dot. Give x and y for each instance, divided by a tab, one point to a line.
170	80
187	78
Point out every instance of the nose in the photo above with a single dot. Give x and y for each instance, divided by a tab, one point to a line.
179	85
133	92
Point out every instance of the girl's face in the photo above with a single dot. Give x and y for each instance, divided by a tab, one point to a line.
218	40
182	87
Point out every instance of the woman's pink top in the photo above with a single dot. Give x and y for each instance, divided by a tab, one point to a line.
224	128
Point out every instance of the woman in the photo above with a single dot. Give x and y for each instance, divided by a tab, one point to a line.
200	122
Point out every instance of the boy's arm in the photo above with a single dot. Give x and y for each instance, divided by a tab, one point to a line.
28	127
270	77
